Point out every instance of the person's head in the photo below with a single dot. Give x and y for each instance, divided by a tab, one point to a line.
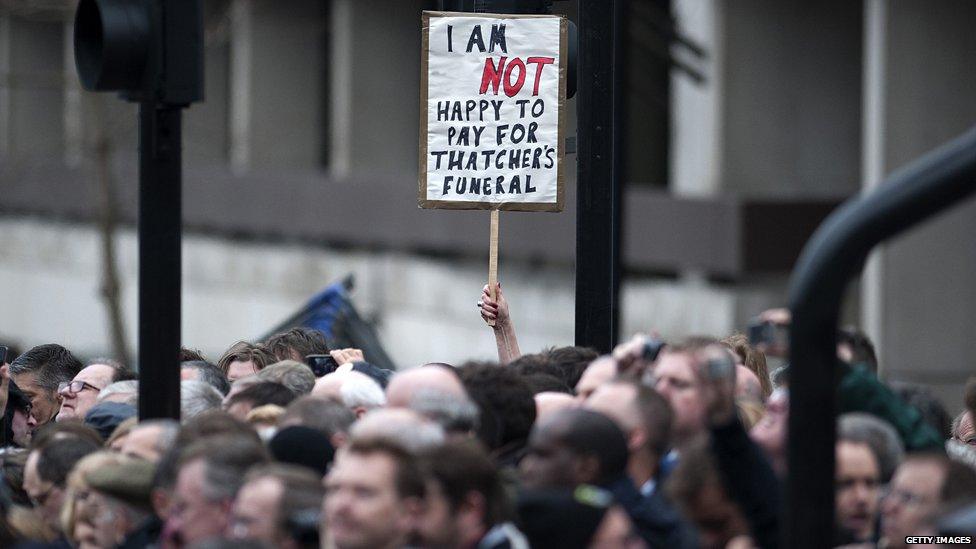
600	371
330	418
356	391
505	405
753	359
697	489
272	494
296	376
81	393
76	509
244	359
209	475
196	397
201	370
125	392
583	517
46	473
643	415
545	383
857	479
921	484
574	446
297	343
401	426
13	425
405	384
374	496
878	434
38	373
150	439
770	432
855	347
570	361
465	496
302	446
118	502
962	429
257	395
548	403
675	372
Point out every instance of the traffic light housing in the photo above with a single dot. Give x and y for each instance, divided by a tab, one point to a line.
145	49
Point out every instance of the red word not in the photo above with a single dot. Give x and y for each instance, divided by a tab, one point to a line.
502	74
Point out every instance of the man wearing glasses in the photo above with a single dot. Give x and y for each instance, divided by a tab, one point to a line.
79	395
38	373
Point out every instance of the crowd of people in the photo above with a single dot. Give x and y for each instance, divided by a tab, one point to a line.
659	444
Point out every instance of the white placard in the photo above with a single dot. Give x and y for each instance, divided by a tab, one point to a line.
492	103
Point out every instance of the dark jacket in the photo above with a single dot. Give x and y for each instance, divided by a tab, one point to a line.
653	516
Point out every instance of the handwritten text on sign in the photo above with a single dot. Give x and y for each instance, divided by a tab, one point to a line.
493	111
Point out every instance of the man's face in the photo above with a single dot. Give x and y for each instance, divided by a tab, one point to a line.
45	496
549	463
44	403
857	478
194	517
966	435
79	396
362	507
912	498
438	525
143	443
240	368
676	382
22	433
255	511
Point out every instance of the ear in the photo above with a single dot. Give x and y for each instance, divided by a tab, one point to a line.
339	439
413	511
359	411
636	439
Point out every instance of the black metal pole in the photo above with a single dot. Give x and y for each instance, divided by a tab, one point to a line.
160	220
598	215
834	255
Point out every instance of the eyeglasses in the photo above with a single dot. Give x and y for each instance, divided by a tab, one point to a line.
904	497
75	387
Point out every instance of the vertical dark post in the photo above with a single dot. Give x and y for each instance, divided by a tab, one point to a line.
598	185
160	220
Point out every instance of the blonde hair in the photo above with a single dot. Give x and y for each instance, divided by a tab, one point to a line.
269	414
750	412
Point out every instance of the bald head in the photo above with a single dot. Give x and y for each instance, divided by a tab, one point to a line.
405	385
404	427
548	402
600	371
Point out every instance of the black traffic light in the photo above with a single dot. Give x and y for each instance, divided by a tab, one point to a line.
149	50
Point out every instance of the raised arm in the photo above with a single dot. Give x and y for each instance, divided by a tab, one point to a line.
497	310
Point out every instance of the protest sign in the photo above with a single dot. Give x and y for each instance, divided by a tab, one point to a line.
492	111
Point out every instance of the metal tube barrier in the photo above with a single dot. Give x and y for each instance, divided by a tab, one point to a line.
832	257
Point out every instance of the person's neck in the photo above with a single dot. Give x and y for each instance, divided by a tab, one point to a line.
642	467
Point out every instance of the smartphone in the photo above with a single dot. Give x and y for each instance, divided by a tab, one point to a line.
3	354
321	364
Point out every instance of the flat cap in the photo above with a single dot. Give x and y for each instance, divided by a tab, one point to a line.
129	482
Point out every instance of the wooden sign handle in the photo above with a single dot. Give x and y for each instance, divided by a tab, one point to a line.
493	259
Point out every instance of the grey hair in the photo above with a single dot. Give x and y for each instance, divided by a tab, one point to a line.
197	397
405	428
360	390
957	424
292	374
129	386
878	434
452	412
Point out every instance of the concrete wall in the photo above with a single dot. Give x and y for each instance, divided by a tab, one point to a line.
928	299
424	308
